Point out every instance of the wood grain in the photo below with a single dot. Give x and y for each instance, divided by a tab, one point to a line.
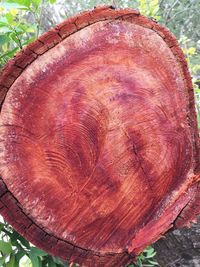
99	142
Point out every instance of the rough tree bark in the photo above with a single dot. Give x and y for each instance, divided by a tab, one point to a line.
99	142
180	248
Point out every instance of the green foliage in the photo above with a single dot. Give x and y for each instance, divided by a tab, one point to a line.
20	24
182	17
15	251
193	60
146	258
197	98
15	31
149	8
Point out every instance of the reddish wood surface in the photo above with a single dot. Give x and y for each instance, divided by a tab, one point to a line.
99	142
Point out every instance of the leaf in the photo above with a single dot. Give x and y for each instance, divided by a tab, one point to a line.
149	8
149	251
10	53
52	1
36	3
14	11
51	263
20	2
5	29
9	17
2	260
57	261
24	242
25	262
18	257
191	51
34	255
154	7
17	239
1	224
139	262
14	37
3	23
34	259
3	40
151	255
38	252
153	262
5	247
24	28
11	262
29	40
9	6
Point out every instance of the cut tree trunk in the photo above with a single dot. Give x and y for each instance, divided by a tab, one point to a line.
99	143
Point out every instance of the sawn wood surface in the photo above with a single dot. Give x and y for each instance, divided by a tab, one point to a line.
99	147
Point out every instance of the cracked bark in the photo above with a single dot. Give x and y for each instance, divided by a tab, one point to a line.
97	118
180	248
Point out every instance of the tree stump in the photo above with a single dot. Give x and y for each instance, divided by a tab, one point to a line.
99	151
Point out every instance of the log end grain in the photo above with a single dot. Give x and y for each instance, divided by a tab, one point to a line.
99	142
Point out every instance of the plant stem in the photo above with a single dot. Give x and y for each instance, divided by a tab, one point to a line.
39	19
